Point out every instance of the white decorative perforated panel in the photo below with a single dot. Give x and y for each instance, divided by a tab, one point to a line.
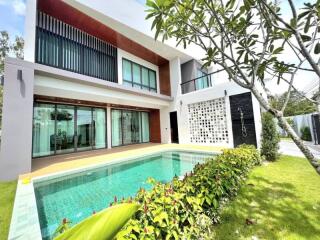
207	122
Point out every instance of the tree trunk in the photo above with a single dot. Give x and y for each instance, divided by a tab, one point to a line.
284	124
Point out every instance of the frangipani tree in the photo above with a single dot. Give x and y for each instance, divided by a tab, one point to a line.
246	38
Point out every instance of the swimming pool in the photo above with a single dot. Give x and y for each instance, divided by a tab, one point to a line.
78	195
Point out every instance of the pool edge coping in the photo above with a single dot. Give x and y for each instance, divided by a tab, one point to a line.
25	210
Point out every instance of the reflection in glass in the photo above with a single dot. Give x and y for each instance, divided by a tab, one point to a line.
83	128
99	128
43	129
116	128
129	127
126	127
145	127
65	129
135	127
126	70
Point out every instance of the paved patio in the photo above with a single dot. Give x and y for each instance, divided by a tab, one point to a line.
58	163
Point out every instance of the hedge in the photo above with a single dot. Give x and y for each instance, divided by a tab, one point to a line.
187	209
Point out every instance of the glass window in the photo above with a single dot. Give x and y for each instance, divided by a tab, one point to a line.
203	80
126	70
136	73
145	77
145	127
116	128
84	131
66	128
129	127
139	77
65	136
43	129
152	76
99	128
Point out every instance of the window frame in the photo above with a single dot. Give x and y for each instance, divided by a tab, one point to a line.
140	84
75	107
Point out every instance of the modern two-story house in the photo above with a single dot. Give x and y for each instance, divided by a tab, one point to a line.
91	81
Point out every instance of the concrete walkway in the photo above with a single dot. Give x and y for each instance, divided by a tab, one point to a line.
289	148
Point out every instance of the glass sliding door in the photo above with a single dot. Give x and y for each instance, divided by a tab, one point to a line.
65	137
43	129
145	131
61	128
99	128
84	128
129	127
135	127
116	124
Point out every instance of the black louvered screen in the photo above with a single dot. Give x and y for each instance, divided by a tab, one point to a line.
63	46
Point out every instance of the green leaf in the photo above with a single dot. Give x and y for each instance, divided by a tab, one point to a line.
230	4
317	48
103	225
301	15
278	50
307	24
293	22
305	38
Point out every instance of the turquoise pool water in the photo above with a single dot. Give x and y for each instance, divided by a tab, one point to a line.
76	196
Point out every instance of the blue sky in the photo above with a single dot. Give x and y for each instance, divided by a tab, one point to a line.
12	14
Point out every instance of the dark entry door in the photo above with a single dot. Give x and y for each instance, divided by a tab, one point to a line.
174	127
243	127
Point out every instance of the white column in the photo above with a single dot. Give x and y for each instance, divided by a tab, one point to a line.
16	139
30	31
257	119
109	127
229	121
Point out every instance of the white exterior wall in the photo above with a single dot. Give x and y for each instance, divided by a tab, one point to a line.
16	139
181	102
30	30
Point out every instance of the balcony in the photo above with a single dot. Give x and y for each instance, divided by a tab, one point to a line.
65	47
197	84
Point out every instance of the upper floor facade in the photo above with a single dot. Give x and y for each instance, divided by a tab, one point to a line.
71	36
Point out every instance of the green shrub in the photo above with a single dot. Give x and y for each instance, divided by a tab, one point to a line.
187	209
270	138
305	134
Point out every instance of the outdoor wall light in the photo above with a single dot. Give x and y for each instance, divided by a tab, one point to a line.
225	93
19	75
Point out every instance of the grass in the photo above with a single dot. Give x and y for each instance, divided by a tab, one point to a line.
288	139
282	199
8	190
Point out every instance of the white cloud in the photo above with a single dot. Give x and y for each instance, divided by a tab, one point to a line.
19	6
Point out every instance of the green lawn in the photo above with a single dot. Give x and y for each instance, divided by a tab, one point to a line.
282	199
286	139
7	192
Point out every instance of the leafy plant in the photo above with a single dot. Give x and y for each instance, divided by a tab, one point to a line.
270	138
306	133
187	209
296	105
102	225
